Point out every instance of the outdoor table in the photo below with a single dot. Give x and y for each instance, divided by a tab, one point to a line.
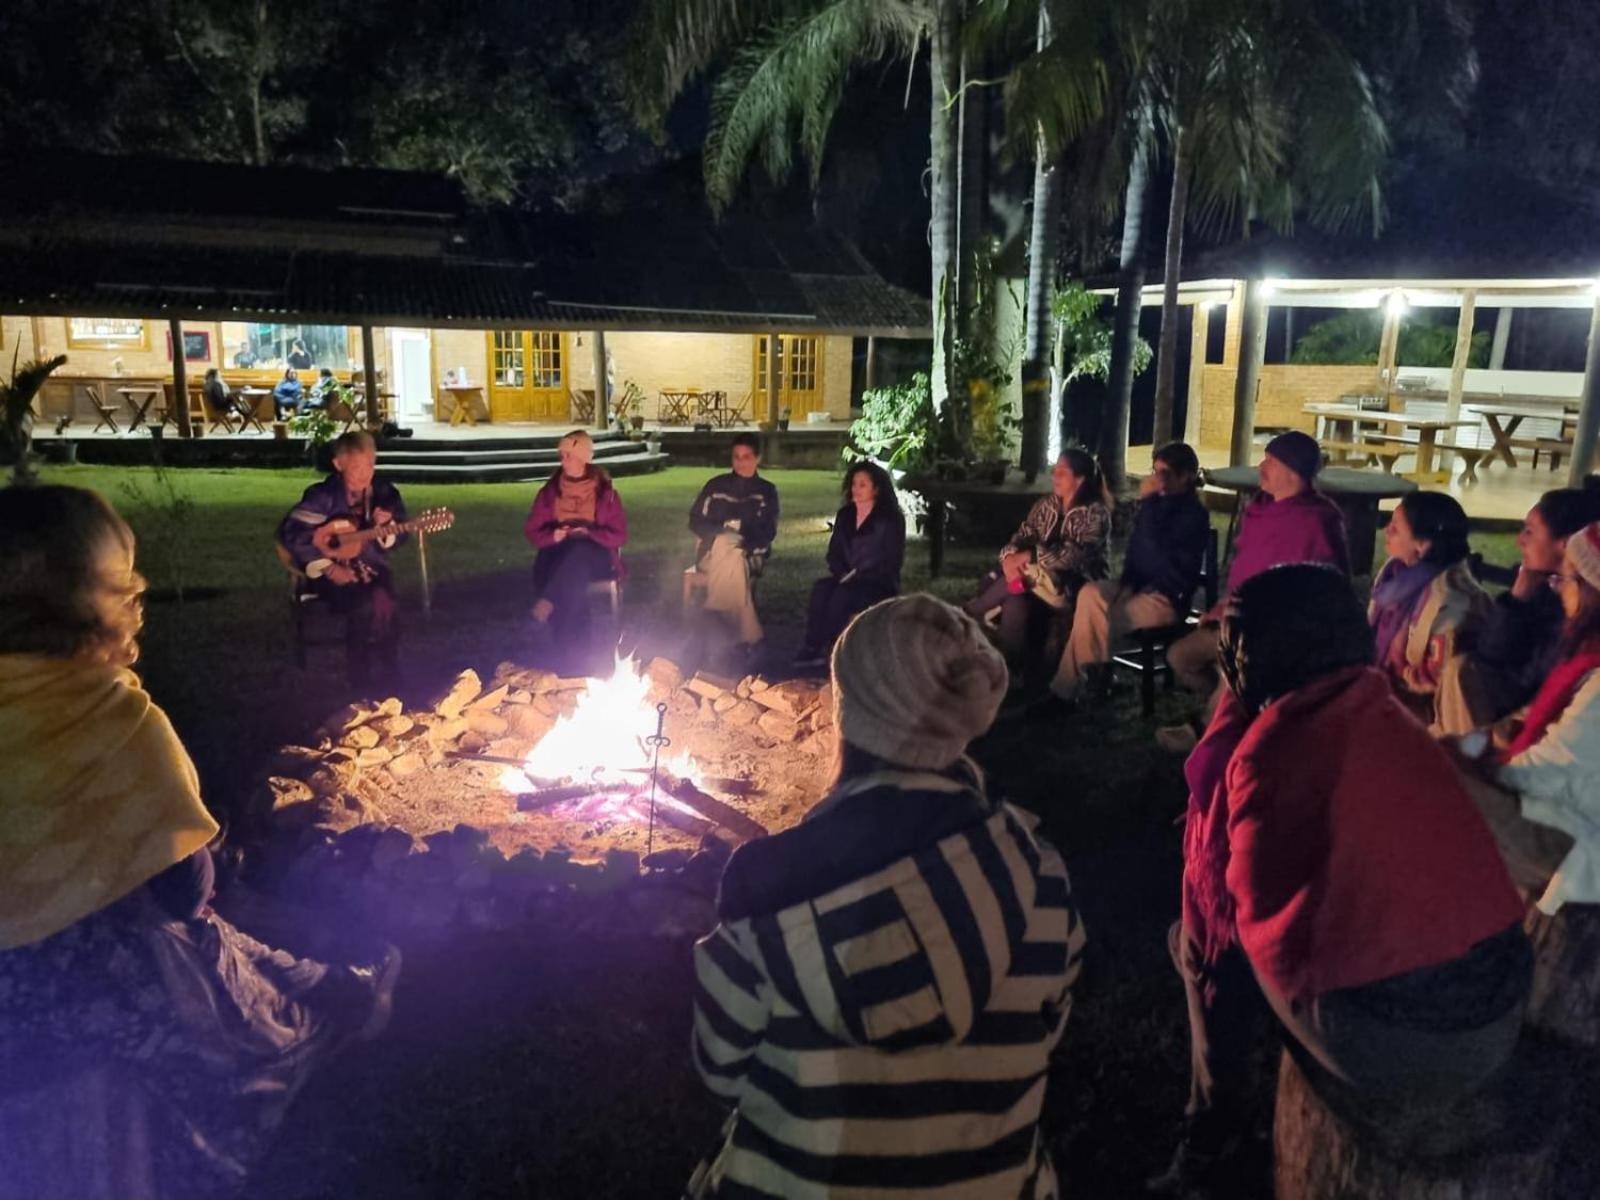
1513	415
139	400
730	413
1342	416
712	406
675	404
251	399
1355	492
938	493
466	395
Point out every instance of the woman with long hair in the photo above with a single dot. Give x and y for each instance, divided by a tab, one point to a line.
1064	543
1425	601
865	554
1354	897
112	963
888	979
1539	782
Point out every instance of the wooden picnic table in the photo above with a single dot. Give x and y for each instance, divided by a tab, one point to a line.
1503	420
1355	492
467	396
1344	420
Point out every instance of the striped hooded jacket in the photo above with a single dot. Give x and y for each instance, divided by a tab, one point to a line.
882	996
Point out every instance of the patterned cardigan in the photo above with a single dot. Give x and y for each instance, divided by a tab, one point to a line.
1074	542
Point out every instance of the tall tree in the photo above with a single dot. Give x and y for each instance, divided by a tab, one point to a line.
783	68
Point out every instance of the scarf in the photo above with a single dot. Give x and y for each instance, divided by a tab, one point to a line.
99	794
576	499
1559	688
1398	591
1208	908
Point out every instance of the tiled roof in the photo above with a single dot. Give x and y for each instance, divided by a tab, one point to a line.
651	270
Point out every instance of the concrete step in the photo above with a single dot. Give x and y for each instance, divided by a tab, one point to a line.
465	454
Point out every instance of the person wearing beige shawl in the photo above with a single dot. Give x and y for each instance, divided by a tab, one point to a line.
124	1000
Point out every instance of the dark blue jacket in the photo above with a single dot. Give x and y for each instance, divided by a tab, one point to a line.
1167	548
1518	646
874	552
323	502
753	502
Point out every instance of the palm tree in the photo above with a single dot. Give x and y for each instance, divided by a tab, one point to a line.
16	414
786	64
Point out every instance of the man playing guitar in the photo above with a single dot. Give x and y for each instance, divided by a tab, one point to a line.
360	587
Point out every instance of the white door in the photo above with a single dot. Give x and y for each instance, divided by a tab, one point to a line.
413	375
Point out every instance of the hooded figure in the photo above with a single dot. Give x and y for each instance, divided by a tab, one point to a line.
890	977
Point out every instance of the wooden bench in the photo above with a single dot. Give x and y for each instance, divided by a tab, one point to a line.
1556	448
1369	451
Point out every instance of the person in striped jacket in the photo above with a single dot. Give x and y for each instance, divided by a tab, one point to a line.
888	980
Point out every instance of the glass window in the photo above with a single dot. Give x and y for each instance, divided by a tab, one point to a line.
547	364
267	344
508	359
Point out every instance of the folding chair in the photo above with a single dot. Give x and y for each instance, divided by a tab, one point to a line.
1146	651
108	412
303	602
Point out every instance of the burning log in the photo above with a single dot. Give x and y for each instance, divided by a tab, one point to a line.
725	815
547	797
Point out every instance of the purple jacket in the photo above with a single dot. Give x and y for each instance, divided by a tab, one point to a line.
1305	528
610	528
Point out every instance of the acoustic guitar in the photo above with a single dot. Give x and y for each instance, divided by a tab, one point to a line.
341	539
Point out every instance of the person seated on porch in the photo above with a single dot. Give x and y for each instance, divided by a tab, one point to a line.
735	518
323	390
1160	572
1541	789
1400	985
361	590
1520	642
244	357
579	527
1287	521
1062	544
287	394
865	553
1425	603
114	970
888	980
219	399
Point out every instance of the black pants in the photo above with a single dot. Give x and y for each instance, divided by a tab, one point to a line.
1024	626
184	889
832	606
562	575
365	637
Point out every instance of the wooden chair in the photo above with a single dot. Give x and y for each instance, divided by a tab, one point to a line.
197	410
1146	652
695	582
108	412
582	405
303	604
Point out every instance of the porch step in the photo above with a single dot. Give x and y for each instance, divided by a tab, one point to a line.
529	468
399	452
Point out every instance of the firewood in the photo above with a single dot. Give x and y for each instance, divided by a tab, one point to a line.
730	818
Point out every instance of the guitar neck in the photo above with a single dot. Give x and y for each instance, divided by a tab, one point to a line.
394	528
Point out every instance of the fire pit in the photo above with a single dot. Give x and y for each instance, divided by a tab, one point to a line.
539	777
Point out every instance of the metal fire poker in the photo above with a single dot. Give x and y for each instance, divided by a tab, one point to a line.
657	741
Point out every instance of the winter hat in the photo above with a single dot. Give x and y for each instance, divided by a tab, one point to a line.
1297	451
1583	552
915	680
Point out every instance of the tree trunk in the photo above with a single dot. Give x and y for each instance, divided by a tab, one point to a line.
1505	1144
1167	353
1037	414
1125	329
944	70
258	76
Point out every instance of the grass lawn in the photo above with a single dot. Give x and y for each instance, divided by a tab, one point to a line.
543	1067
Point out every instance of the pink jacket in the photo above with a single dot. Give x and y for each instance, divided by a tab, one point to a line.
610	521
1304	528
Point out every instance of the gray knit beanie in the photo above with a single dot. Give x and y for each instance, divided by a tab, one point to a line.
915	680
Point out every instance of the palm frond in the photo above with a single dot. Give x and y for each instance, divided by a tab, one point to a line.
783	88
673	41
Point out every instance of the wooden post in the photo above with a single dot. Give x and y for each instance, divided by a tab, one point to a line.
774	379
1502	336
369	362
872	364
1199	335
1252	354
602	405
180	380
1458	364
1388	352
1589	410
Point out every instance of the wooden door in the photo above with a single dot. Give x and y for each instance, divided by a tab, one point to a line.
527	375
800	377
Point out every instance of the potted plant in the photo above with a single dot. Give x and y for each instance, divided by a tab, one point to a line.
317	427
16	414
